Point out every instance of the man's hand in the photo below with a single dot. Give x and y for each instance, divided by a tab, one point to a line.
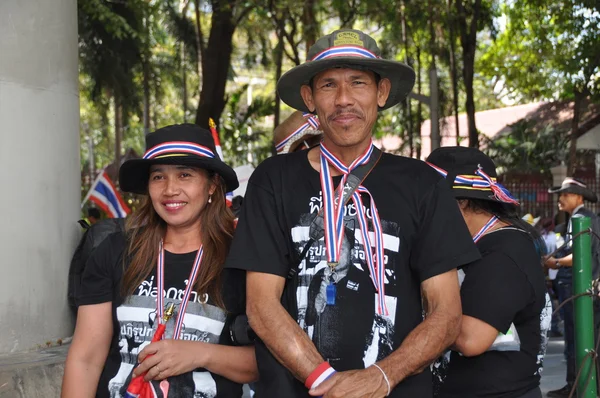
363	383
550	262
168	358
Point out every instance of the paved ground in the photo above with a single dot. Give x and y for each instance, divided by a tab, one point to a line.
555	367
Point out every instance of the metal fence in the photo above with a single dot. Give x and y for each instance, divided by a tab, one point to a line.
532	193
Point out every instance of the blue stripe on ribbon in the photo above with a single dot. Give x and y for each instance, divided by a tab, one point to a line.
349	51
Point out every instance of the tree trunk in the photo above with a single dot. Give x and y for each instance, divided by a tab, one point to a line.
184	93
453	69
406	105
435	138
146	77
419	120
574	133
216	64
118	129
468	40
278	70
309	24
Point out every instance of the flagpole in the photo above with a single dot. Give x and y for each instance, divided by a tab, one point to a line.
92	187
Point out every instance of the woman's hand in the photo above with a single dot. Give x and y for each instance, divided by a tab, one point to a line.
168	358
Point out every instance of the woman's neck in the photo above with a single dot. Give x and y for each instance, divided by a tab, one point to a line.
476	221
182	239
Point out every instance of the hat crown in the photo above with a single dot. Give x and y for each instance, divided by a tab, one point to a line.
341	38
181	133
462	160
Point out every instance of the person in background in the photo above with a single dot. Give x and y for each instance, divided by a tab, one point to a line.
93	215
572	196
171	254
506	310
297	132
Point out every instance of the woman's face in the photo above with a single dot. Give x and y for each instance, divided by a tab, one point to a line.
179	193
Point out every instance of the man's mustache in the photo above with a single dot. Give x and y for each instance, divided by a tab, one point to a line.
341	112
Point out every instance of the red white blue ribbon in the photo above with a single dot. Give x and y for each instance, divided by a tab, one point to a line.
160	284
489	225
344	51
178	147
312	121
333	216
319	375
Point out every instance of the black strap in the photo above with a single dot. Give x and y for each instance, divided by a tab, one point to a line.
317	229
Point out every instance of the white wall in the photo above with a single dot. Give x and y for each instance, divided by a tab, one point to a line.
39	169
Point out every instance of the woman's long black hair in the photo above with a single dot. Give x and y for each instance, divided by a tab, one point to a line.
507	214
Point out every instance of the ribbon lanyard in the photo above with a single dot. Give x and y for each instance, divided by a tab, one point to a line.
333	217
160	282
489	225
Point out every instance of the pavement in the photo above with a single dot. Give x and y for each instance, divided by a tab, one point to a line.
555	366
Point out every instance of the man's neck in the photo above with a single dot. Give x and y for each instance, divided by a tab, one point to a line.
183	239
576	209
348	154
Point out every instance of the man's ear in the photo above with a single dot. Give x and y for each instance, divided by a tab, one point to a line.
383	91
306	93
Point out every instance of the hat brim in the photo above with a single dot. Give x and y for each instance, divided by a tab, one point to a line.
586	193
462	193
134	173
400	75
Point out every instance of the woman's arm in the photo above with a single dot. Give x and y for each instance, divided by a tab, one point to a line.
88	352
173	357
475	337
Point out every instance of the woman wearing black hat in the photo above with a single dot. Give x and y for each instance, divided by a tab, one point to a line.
506	310
175	244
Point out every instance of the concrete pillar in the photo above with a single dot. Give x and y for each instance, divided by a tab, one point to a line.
39	169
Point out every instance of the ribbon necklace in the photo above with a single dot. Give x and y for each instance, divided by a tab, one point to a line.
333	217
160	282
489	225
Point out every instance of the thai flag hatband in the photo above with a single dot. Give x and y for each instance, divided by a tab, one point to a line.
480	181
160	273
333	216
104	194
178	147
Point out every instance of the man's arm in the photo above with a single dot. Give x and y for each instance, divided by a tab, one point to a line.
419	349
440	328
289	344
566	261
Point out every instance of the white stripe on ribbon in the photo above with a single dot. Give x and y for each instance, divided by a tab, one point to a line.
179	147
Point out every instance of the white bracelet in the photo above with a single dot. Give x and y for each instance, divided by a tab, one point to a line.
384	378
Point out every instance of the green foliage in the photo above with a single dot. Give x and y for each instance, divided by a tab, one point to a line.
527	148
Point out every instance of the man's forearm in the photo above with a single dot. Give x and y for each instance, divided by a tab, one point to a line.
287	342
422	346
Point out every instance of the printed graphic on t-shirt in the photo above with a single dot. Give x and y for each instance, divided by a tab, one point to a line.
338	330
137	324
545	323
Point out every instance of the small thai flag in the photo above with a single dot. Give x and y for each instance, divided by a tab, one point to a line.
104	194
215	135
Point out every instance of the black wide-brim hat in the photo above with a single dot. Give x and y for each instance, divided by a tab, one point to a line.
571	185
470	173
180	144
345	48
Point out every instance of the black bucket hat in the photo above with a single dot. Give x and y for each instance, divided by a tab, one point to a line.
470	173
571	185
179	144
345	48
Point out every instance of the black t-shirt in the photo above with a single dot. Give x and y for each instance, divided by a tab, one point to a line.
505	287
424	235
134	319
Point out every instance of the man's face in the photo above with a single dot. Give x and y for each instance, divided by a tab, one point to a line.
569	201
346	101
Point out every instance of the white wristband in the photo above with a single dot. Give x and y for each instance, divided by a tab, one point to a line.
387	381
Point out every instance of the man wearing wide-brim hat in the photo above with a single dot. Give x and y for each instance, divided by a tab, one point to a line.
572	195
339	314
